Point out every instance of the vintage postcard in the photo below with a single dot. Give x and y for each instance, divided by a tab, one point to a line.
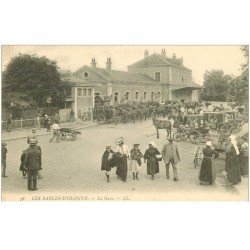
124	123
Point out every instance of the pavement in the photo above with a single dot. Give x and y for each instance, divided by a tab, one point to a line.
72	170
23	133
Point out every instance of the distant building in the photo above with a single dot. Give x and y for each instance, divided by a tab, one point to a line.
156	77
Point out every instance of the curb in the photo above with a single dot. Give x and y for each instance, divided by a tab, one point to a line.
46	133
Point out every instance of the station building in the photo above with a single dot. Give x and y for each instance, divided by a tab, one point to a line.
156	77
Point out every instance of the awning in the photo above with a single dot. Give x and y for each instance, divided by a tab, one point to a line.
192	86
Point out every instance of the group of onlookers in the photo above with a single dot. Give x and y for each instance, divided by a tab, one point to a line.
236	163
124	159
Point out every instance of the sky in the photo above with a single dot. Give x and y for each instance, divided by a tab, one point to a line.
197	58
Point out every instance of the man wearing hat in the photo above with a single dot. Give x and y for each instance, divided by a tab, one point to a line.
33	163
32	135
122	154
170	154
4	154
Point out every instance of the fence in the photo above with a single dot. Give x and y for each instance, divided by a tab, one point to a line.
25	123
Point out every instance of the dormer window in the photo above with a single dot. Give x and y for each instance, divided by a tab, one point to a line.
157	76
85	74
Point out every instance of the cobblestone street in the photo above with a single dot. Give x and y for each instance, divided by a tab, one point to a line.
73	168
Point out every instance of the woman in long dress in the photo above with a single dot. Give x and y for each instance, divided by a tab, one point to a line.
232	162
121	156
150	157
207	168
244	158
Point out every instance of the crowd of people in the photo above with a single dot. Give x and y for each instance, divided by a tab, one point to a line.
125	160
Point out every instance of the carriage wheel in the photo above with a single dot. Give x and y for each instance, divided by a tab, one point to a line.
177	136
62	135
115	120
213	126
184	135
101	119
195	136
236	128
224	130
73	136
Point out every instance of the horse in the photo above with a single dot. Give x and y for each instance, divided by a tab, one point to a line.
162	124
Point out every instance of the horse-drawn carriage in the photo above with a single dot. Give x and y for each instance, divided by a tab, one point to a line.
194	129
225	122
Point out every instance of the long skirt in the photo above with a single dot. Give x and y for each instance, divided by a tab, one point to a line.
133	166
152	166
244	165
122	168
233	169
206	172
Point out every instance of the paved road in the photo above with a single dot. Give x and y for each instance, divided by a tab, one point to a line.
74	168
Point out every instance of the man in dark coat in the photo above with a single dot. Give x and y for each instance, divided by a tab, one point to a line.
107	158
33	163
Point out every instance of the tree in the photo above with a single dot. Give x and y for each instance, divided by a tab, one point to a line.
215	86
32	79
238	87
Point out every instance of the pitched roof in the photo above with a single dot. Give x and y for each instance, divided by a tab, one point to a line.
114	75
158	60
73	79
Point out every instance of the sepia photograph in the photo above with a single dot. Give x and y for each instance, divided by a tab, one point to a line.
125	123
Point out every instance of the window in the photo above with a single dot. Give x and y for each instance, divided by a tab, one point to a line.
145	95
173	77
182	79
127	95
79	92
136	95
158	95
116	95
152	95
84	92
157	76
89	92
85	74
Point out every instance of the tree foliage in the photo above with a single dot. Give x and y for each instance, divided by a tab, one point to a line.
32	79
215	86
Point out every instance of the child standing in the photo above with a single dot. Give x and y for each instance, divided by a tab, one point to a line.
135	160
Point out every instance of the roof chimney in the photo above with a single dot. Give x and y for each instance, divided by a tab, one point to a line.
163	53
173	56
108	64
93	63
146	53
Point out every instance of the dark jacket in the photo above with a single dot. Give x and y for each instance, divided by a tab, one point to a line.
107	164
33	159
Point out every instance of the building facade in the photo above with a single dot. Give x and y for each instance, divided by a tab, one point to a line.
154	78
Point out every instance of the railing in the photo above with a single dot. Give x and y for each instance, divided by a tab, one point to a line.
24	123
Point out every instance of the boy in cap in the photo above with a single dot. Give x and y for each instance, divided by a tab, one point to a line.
4	154
170	154
107	161
32	135
135	160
